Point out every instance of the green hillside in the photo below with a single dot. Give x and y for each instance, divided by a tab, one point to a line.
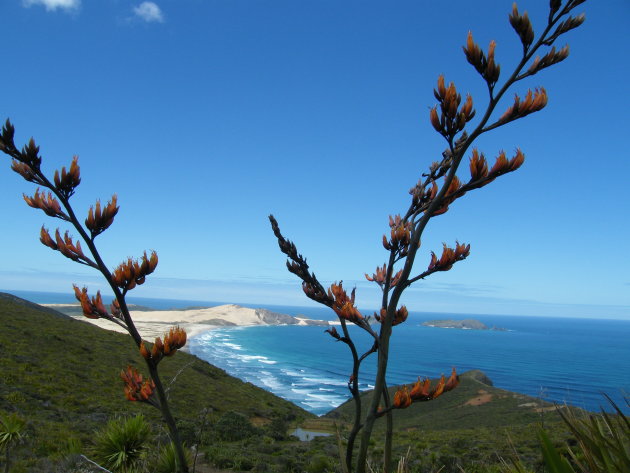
470	429
62	375
474	403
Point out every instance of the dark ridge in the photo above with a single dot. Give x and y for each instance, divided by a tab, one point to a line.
31	305
479	376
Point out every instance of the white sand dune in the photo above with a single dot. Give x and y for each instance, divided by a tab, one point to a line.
154	323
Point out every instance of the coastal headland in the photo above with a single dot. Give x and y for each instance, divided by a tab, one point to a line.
154	323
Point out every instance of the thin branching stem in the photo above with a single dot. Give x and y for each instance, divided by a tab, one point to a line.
64	198
430	200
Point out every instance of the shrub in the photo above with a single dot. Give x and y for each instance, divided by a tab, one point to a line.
167	460
12	433
277	429
122	446
320	464
219	457
601	445
233	426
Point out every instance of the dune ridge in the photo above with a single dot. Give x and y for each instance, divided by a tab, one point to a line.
154	323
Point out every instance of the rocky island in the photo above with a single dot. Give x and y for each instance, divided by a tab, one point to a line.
466	324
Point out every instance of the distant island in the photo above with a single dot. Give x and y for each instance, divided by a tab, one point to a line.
466	324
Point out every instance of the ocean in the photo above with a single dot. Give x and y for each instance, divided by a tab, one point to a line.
572	360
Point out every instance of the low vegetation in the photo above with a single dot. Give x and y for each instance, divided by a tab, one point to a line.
230	425
62	377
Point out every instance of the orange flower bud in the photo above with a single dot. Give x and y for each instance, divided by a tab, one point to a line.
549	59
65	246
540	100
147	390
344	305
174	340
420	390
461	251
453	186
25	171
435	121
67	181
115	309
400	235
168	351
47	203
439	389
402	399
512	112
474	55
569	24
492	70
449	257
381	317
452	382
178	336
431	193
157	351
523	26
92	308
501	165
400	316
131	273
136	387
533	102
333	333
98	306
88	308
379	275
46	239
517	160
451	102
144	352
478	165
467	111
30	155
99	220
396	277
440	92
309	290
386	243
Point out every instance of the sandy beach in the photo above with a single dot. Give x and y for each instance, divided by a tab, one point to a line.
154	323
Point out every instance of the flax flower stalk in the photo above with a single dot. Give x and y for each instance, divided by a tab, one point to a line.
54	201
436	190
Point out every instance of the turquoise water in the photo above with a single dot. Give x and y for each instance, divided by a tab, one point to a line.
559	359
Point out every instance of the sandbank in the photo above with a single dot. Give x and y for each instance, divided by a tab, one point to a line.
155	323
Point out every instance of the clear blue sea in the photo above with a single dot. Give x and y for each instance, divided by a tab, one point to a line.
559	359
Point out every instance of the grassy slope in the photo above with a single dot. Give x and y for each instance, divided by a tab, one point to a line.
474	403
62	375
471	427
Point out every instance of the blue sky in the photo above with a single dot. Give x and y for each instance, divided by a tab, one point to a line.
206	116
